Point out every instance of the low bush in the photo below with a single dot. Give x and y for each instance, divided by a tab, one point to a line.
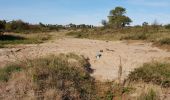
157	73
78	34
56	72
151	95
137	36
164	41
13	39
167	26
7	71
65	74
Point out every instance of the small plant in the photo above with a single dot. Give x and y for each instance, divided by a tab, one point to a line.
157	73
137	36
6	72
22	39
77	34
70	80
165	41
151	95
58	73
109	95
167	26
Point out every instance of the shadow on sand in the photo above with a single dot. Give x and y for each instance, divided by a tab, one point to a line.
10	38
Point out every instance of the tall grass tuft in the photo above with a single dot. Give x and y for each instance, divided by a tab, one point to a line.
150	95
7	71
157	73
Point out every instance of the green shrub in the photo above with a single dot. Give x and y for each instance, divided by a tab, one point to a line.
6	72
157	73
137	36
23	39
58	73
66	74
167	26
78	34
109	95
2	26
165	41
17	26
1	46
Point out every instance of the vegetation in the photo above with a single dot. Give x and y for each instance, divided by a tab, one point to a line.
117	18
12	39
2	26
67	76
19	26
167	26
151	95
7	71
116	29
165	41
157	73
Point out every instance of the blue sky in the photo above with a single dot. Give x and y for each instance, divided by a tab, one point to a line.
83	11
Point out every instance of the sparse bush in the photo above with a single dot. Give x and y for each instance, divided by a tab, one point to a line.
156	26
109	95
151	95
78	34
23	39
157	73
66	75
164	41
167	26
57	73
2	26
137	36
7	71
17	26
1	46
104	23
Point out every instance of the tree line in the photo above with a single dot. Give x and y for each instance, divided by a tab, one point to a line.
19	26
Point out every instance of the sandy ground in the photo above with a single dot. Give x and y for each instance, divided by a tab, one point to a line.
132	55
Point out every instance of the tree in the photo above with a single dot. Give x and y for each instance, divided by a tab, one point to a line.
2	26
145	24
155	25
145	27
118	19
104	23
167	26
42	25
17	26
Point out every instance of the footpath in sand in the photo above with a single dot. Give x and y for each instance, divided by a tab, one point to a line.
106	68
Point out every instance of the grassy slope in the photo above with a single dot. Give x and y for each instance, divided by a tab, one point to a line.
68	76
65	74
13	39
161	36
157	73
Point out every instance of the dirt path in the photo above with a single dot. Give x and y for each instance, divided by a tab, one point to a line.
106	68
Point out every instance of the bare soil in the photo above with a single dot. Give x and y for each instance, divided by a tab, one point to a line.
132	54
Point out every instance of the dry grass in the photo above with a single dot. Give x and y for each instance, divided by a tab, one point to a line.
13	38
149	34
155	72
150	95
66	76
50	77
